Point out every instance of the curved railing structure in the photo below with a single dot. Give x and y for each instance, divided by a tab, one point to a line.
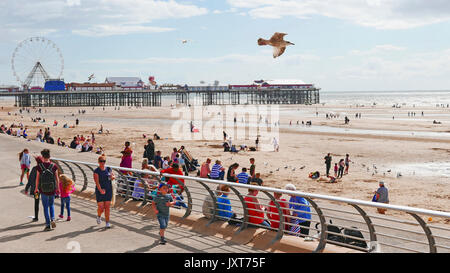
333	220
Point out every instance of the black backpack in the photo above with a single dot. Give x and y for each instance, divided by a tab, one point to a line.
47	180
354	232
334	229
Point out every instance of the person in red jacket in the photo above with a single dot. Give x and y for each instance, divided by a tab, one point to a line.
175	169
273	215
255	210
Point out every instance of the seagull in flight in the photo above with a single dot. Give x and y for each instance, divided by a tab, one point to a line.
91	77
277	42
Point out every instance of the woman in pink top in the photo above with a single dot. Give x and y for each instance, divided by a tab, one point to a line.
127	160
205	169
66	187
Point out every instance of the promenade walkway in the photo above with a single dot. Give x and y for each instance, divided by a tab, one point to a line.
130	233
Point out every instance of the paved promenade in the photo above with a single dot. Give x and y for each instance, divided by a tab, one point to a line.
130	233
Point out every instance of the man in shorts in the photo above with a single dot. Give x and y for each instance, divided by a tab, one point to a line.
161	206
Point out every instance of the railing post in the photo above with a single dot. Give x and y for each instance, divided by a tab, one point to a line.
214	199
374	245
431	242
59	166
281	224
244	207
84	177
189	197
71	171
323	225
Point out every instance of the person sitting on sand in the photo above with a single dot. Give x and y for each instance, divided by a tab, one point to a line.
231	173
217	171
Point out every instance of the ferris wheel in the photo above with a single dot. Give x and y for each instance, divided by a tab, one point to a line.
36	60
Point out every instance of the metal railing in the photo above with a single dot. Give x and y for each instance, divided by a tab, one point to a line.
325	219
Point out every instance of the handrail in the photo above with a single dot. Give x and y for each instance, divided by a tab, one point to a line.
128	188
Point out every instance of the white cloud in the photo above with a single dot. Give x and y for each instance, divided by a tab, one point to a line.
380	14
90	17
410	68
377	50
260	59
108	30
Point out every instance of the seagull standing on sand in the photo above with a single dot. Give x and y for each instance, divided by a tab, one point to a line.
278	43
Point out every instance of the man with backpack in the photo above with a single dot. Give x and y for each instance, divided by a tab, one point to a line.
47	179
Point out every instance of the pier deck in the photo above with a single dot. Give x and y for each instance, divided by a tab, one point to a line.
154	98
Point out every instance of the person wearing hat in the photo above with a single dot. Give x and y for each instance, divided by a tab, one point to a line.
382	196
301	211
161	206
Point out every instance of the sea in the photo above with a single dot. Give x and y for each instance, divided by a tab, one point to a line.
405	98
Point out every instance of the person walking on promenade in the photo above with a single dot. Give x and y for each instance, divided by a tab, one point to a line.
103	177
328	159
47	181
347	163
31	186
382	196
161	206
66	187
341	165
149	151
301	211
25	164
127	160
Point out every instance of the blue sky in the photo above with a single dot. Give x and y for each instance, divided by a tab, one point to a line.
339	45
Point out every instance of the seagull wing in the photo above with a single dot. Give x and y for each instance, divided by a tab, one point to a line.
277	37
278	51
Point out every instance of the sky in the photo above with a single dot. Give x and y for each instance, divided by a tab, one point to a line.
345	45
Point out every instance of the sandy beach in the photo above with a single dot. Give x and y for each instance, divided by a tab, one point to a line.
380	147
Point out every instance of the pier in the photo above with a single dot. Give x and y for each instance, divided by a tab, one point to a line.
155	98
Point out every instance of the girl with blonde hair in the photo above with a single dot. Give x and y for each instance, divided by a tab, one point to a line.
66	187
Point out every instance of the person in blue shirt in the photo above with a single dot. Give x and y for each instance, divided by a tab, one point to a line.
300	208
243	177
223	204
158	161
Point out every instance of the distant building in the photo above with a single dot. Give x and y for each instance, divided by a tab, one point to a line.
87	86
9	88
126	82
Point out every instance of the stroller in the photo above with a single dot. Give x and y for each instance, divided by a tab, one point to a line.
189	161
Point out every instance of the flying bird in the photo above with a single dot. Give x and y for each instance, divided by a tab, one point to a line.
277	42
91	77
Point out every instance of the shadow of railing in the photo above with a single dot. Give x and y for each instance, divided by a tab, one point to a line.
334	220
